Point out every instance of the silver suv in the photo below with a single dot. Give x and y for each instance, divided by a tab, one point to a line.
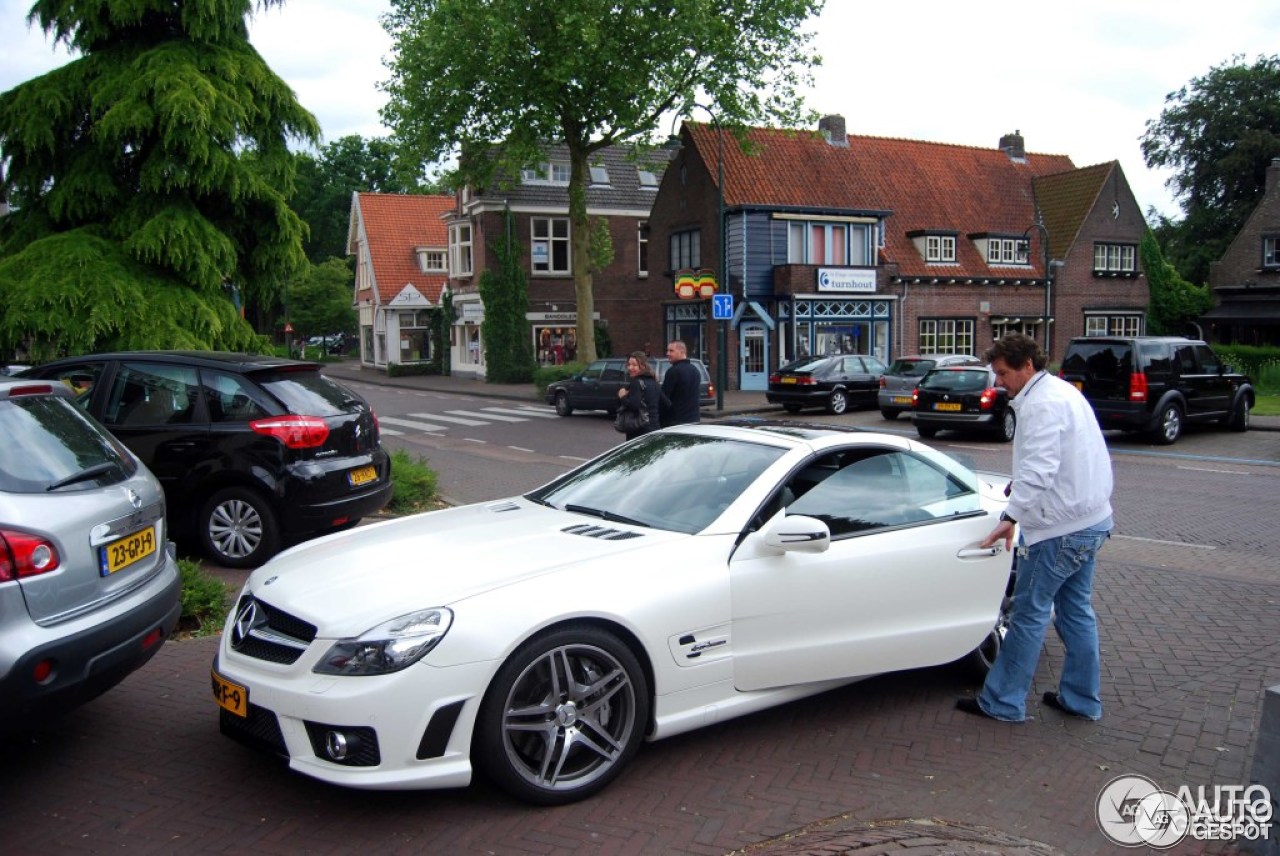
89	589
900	379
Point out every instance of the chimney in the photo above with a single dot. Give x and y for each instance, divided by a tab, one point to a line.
1014	146
1273	174
832	127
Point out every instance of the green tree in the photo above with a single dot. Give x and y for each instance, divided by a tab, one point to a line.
327	179
159	158
319	299
1218	134
1175	303
502	79
505	292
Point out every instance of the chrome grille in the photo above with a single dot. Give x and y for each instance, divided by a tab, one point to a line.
266	633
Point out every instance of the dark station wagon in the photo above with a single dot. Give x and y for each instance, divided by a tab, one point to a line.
253	451
596	387
963	398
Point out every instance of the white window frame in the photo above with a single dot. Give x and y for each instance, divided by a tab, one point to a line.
642	248
461	263
433	261
1270	251
946	335
600	175
548	172
555	233
1007	251
939	248
1120	324
1115	258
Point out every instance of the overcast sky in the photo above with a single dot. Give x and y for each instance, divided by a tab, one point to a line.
1080	79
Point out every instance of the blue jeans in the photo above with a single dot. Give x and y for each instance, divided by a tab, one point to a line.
1054	575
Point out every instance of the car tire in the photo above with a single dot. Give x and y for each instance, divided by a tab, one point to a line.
562	404
889	414
1168	425
838	403
238	528
1238	418
1008	425
578	692
928	432
791	408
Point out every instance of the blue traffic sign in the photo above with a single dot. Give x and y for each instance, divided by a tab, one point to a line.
722	307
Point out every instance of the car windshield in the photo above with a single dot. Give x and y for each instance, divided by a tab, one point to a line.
50	445
951	380
308	393
678	482
910	368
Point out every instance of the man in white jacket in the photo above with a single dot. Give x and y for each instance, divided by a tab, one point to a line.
1060	500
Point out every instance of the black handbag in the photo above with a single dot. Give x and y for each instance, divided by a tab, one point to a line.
628	421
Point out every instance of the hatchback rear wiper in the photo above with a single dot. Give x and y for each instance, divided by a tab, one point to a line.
605	515
84	475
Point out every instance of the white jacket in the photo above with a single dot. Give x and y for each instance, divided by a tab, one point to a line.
1061	464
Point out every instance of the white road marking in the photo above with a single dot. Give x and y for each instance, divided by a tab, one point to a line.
457	420
1212	470
573	458
542	413
409	423
390	432
1170	543
521	449
490	416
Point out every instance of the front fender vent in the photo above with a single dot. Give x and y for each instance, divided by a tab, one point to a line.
604	532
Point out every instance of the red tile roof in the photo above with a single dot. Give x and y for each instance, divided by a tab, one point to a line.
395	225
925	186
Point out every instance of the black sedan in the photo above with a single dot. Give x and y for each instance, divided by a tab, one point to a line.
596	387
836	383
963	398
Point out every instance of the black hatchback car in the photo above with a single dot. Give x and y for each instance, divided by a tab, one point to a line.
253	451
835	383
962	398
596	387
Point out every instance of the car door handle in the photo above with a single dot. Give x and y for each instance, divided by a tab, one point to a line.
980	552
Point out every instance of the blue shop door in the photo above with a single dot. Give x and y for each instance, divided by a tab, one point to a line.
753	364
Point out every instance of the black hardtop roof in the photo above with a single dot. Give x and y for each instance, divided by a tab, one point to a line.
212	359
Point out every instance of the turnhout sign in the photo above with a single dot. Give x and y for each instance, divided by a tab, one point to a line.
847	279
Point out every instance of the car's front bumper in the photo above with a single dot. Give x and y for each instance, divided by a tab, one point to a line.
420	719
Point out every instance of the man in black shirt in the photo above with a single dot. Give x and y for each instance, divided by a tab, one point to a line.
681	388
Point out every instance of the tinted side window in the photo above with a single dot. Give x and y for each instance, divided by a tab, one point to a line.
593	371
613	370
151	394
1155	359
81	378
229	397
889	489
1184	359
1207	359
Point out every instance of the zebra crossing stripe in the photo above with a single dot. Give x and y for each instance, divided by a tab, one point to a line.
409	423
492	417
548	413
457	420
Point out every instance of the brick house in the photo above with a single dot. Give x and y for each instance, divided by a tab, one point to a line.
621	191
401	244
1246	280
840	243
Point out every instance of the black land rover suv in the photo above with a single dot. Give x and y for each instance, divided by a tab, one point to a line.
1155	384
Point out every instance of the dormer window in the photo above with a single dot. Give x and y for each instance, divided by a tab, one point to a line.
431	260
1271	251
553	172
940	248
648	180
1007	251
599	176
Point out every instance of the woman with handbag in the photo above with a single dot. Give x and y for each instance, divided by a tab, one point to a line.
638	400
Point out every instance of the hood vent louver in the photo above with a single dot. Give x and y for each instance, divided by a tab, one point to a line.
499	507
603	532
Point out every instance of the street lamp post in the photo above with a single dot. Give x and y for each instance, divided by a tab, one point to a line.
722	281
1048	280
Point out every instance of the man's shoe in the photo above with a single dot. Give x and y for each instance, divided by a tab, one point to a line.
1051	700
970	705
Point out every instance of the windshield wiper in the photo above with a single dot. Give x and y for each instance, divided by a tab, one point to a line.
84	475
606	515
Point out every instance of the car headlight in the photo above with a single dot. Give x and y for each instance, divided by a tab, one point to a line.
389	647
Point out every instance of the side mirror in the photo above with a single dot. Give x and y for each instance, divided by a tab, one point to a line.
1225	368
798	534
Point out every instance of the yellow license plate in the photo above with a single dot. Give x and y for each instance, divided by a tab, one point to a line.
230	697
788	380
1078	384
363	475
949	407
123	552
902	399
